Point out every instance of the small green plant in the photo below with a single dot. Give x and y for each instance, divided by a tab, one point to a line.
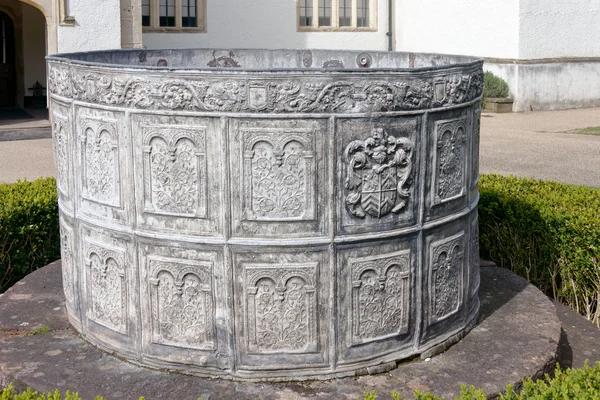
29	233
41	331
494	86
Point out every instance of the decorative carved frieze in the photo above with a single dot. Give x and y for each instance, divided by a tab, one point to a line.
107	290
182	303
378	174
100	161
446	277
279	174
281	308
174	170
241	93
450	156
380	296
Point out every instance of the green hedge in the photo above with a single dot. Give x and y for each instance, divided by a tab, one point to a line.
494	86
29	233
547	232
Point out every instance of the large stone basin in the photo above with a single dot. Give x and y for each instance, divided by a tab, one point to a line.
268	214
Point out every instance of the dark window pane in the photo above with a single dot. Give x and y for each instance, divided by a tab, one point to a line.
324	12
363	13
306	12
345	12
145	20
189	22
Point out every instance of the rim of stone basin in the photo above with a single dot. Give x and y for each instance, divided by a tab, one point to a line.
299	60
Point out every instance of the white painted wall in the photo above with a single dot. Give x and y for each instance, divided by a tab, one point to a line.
485	28
551	86
559	28
97	26
34	48
266	24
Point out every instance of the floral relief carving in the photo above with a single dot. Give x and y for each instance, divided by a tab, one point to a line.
380	296
281	308
100	162
279	174
174	170
107	291
59	80
476	139
61	132
445	279
450	155
378	172
182	305
67	265
287	96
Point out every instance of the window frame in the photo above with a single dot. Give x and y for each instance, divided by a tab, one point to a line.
335	19
178	28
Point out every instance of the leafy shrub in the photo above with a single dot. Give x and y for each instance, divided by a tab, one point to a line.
494	86
547	232
29	233
579	383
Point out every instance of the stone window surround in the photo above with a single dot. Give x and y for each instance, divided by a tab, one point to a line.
178	28
334	27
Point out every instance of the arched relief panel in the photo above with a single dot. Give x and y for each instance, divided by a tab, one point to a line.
284	298
449	167
279	174
102	162
63	139
179	185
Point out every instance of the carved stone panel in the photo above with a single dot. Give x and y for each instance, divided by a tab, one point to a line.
106	287
449	160
475	138
380	296
67	255
102	162
175	170
377	173
182	306
446	277
62	135
474	262
180	185
278	175
281	308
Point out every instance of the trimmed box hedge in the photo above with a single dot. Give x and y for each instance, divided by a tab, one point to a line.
29	232
547	232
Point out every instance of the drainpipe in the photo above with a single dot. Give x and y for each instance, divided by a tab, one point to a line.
390	26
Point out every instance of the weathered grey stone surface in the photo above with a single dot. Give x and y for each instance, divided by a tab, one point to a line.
258	214
517	336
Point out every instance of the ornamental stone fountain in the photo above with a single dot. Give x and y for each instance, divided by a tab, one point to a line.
268	214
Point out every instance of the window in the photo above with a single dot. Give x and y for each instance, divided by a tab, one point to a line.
173	15
336	15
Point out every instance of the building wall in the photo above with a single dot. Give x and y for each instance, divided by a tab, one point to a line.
485	28
97	26
266	23
34	48
559	28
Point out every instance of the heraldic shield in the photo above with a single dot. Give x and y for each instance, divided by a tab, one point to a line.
378	172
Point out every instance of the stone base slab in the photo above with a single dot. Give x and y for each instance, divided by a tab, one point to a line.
517	336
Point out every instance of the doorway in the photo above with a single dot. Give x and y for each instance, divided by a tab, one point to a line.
7	61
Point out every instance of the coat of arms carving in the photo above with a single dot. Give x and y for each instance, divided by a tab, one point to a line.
378	174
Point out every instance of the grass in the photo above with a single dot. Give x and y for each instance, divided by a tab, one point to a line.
590	130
